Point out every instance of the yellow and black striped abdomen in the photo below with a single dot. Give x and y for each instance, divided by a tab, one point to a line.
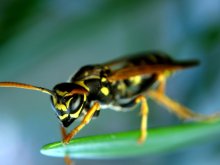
133	86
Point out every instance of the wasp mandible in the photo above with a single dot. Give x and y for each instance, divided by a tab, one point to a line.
119	85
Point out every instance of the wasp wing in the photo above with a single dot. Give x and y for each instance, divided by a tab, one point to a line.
145	63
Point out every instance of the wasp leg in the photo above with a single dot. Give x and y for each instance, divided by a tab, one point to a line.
86	120
160	96
175	107
63	132
143	112
162	83
144	117
180	110
67	159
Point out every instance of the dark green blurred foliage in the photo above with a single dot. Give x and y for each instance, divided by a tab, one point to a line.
13	13
44	42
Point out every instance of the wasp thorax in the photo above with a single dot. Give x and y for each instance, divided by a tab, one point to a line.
67	103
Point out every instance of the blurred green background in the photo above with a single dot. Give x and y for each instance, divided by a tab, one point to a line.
45	42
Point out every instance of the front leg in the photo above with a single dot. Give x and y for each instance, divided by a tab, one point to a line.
86	120
67	158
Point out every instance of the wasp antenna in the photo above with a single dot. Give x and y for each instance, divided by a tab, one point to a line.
26	86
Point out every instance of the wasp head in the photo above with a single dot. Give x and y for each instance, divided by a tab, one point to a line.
68	102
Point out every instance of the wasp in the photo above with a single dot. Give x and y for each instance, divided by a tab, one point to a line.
119	85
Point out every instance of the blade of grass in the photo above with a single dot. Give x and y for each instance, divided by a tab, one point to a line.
125	144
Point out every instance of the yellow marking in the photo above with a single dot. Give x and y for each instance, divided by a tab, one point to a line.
60	107
103	79
84	97
61	93
121	86
105	91
54	100
63	117
84	121
168	73
106	67
68	102
81	83
163	77
76	115
86	74
94	77
135	80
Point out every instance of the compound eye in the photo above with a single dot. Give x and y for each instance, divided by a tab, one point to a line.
76	103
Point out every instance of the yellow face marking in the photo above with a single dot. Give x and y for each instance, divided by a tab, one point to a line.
68	102
76	115
54	100
84	97
61	107
63	117
105	91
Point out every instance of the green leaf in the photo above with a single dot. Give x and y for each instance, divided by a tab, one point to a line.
125	144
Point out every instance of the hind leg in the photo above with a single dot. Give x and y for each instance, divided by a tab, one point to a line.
181	111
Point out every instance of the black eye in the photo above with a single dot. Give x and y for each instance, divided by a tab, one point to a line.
76	103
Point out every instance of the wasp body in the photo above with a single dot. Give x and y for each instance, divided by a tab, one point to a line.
114	85
116	95
119	85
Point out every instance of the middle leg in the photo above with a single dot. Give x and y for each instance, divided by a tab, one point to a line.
143	112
